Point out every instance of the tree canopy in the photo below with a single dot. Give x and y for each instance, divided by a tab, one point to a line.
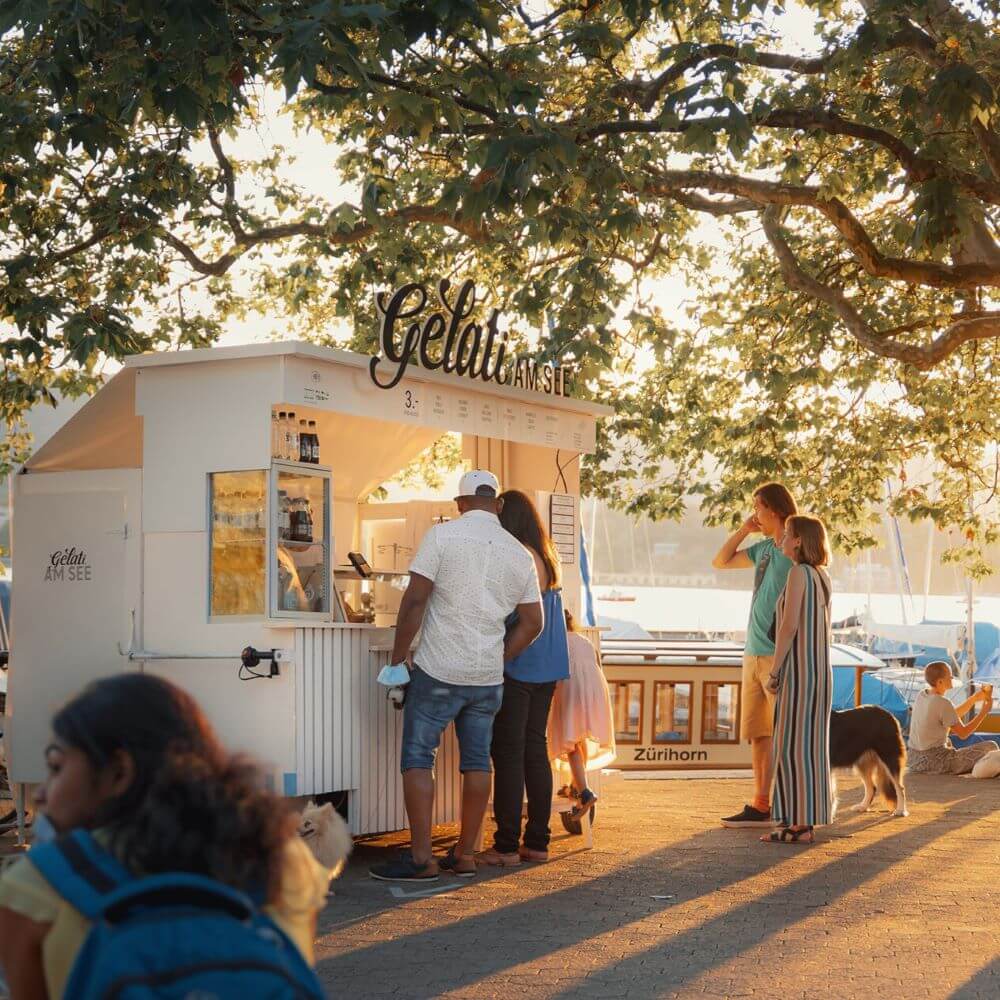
566	156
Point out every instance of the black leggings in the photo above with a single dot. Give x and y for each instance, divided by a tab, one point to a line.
521	763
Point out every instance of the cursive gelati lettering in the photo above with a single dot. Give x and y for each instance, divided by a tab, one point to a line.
68	564
450	339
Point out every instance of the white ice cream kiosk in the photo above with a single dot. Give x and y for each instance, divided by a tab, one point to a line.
158	531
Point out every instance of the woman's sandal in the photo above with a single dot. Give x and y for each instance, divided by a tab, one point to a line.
786	835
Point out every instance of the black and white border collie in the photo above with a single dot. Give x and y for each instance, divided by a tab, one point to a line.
869	741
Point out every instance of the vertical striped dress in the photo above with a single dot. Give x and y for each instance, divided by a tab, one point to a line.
803	790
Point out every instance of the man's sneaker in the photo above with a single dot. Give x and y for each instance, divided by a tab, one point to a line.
405	869
461	867
750	817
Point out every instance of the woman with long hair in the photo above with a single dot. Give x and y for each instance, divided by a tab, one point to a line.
134	761
581	723
803	682
520	747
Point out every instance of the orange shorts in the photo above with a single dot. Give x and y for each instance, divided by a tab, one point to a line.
756	703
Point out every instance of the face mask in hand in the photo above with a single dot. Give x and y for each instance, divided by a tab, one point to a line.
394	675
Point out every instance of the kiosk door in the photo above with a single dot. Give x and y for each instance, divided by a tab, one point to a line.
69	559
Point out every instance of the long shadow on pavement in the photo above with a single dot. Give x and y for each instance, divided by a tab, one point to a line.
984	985
474	947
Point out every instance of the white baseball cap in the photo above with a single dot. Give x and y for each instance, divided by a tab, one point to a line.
478	483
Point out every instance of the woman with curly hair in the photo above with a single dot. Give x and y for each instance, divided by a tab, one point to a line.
134	761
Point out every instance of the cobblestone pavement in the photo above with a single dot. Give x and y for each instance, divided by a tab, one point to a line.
669	904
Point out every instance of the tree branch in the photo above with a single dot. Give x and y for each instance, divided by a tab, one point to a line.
229	209
918	169
699	203
989	143
645	93
982	327
98	236
274	234
765	193
411	88
543	21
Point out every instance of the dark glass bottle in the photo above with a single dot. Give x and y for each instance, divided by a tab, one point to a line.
314	441
305	443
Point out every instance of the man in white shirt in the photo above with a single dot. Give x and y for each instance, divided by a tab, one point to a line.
466	579
934	717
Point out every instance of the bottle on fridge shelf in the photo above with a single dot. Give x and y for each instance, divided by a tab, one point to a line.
305	442
281	432
292	438
301	523
284	516
314	442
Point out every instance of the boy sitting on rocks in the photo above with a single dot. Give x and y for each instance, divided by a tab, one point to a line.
934	717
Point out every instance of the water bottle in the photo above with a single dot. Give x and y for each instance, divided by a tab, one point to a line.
280	447
292	439
275	434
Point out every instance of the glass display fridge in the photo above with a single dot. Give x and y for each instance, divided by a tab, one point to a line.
271	525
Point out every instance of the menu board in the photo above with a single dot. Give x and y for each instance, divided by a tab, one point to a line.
458	407
563	526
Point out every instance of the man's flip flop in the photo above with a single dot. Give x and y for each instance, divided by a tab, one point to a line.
786	835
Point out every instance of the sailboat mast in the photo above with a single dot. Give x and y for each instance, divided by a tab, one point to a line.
970	634
928	563
593	537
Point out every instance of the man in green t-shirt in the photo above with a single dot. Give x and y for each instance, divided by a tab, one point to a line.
772	504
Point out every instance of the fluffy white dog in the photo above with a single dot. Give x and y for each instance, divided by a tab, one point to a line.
328	836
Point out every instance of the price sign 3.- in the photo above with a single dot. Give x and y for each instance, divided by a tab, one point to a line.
411	404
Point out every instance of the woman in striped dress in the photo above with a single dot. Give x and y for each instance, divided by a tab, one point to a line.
803	791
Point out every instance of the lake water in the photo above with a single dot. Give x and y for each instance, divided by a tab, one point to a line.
670	607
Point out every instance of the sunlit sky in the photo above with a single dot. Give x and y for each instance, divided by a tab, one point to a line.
312	167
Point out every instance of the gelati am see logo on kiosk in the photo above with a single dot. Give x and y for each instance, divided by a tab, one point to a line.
476	350
68	564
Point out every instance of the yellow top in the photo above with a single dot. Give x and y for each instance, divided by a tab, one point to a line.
23	888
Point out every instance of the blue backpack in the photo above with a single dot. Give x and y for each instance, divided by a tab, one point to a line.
173	935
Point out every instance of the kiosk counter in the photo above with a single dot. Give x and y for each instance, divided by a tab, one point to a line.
165	528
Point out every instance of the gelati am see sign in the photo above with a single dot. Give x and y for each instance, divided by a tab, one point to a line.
450	339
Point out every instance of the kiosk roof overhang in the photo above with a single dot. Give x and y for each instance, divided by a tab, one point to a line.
351	359
104	433
107	431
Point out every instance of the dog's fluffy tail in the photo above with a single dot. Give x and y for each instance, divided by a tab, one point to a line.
884	783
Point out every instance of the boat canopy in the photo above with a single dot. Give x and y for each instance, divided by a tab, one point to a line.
948	636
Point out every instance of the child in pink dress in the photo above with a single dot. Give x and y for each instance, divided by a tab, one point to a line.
581	723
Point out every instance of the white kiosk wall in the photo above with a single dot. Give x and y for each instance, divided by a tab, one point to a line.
77	553
197	420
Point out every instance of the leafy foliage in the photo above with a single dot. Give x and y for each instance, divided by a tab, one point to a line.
566	157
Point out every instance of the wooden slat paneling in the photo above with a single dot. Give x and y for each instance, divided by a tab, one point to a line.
329	669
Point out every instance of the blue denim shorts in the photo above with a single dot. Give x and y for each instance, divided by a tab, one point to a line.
431	704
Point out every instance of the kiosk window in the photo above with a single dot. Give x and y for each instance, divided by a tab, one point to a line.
720	712
238	524
672	712
303	542
626	700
